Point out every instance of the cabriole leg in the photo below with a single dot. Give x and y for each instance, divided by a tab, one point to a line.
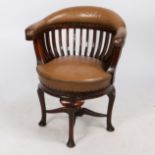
43	107
72	118
111	96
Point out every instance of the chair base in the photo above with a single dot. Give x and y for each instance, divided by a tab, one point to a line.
74	109
73	114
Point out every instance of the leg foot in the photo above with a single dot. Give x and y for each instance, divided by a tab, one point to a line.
42	123
110	128
70	143
111	96
43	107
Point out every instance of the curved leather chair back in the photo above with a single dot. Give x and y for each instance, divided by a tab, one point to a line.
84	31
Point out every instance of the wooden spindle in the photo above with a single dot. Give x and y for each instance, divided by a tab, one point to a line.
87	42
60	43
80	49
48	43
44	48
54	44
67	41
93	44
105	45
74	41
99	45
110	48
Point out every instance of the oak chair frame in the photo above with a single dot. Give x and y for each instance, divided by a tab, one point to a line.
72	101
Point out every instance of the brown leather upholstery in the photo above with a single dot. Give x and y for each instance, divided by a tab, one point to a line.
90	15
74	74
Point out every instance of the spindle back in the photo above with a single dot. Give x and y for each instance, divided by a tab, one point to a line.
73	41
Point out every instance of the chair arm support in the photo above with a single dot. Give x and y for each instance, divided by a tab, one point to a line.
119	38
111	71
114	61
118	43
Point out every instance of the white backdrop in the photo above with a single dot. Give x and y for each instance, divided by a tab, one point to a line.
134	113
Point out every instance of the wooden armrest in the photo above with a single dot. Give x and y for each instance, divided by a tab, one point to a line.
34	29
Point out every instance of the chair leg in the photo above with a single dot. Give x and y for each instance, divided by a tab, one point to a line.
111	96
72	118
43	107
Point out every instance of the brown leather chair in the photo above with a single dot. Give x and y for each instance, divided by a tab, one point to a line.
77	51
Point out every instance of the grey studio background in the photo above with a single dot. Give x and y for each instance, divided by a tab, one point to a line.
134	110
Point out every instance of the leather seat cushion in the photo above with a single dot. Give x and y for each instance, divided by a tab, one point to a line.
74	74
